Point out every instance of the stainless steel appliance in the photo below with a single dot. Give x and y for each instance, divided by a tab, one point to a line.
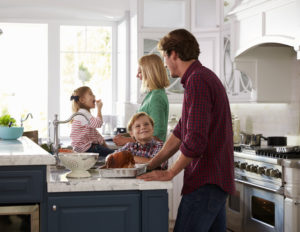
268	189
20	218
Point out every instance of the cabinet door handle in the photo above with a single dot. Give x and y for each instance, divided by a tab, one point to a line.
54	207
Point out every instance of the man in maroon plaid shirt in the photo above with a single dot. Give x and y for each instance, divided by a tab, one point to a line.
203	135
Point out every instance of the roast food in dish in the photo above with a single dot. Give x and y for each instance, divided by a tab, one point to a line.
122	159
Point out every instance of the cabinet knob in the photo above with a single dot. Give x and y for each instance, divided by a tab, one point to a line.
54	207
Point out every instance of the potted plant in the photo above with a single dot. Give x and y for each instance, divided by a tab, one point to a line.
9	128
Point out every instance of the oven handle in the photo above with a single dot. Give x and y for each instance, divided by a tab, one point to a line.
279	191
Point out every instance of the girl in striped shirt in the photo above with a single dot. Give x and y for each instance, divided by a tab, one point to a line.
84	136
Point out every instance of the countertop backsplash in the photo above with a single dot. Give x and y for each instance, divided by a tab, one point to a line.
269	120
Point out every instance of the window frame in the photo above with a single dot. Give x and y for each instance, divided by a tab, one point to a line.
53	88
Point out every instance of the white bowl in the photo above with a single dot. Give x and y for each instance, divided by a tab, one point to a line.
78	163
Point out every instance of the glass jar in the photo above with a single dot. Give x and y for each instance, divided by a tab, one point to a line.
172	123
236	128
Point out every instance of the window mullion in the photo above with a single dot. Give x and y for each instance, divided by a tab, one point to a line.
53	71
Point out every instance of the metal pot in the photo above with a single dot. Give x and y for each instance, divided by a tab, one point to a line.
255	140
250	139
276	140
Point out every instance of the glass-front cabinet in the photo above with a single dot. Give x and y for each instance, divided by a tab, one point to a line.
155	19
149	46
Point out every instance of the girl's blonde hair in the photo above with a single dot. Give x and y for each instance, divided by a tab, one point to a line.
153	72
135	117
76	95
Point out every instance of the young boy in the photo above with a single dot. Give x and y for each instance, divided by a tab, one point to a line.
145	147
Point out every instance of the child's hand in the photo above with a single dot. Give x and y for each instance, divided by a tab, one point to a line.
99	104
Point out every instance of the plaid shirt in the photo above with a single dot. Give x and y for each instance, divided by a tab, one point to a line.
205	131
148	150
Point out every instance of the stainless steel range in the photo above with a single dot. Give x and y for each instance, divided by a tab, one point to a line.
268	190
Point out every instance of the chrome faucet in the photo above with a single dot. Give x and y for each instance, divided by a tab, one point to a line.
56	122
23	120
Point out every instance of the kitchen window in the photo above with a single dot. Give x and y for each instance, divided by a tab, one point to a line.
42	63
24	73
85	59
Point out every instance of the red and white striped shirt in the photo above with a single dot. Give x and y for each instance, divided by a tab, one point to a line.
83	135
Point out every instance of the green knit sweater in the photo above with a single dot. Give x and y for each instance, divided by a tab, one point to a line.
156	105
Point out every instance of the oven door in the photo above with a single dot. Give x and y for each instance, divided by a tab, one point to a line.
263	210
235	209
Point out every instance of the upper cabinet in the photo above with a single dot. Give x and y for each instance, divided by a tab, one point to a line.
152	19
161	15
206	15
206	25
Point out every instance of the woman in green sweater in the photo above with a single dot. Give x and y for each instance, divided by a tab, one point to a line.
154	79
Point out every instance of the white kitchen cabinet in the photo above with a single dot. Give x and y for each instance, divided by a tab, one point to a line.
206	25
175	192
210	50
153	19
257	22
150	21
163	15
206	15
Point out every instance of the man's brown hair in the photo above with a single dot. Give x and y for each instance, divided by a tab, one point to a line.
182	42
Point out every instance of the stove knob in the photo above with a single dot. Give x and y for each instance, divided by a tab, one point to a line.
268	171
261	170
243	165
275	173
237	164
249	166
253	168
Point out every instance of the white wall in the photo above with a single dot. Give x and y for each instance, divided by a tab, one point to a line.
274	119
111	10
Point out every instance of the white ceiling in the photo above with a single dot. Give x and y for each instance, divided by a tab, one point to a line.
88	9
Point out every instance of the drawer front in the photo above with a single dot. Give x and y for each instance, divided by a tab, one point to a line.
21	185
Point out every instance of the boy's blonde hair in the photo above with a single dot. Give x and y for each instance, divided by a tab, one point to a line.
154	73
76	95
135	117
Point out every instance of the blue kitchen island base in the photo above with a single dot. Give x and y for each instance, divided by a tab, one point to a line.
108	211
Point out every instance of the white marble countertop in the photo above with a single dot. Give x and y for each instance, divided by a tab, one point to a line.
23	151
58	182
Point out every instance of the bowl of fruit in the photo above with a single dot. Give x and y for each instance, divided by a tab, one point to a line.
9	128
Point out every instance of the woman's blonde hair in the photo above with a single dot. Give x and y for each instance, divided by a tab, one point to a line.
76	95
153	72
135	117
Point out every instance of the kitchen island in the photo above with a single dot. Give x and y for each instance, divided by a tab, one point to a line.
88	204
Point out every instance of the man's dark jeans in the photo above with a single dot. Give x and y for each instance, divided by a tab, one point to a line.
202	210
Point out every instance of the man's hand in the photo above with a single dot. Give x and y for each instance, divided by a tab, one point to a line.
157	175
